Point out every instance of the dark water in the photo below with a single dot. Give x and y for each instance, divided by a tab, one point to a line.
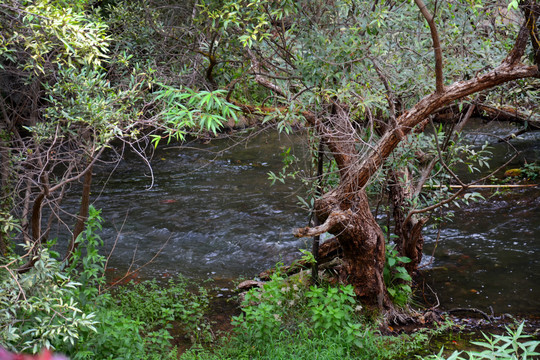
211	209
214	213
489	255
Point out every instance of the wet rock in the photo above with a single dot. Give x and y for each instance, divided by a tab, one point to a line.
249	284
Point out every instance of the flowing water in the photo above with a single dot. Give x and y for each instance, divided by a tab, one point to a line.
211	209
212	212
489	255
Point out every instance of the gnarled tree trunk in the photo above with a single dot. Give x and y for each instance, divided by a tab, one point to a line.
345	211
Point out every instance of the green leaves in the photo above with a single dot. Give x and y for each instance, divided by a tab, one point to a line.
158	305
396	277
186	110
514	344
70	35
332	310
514	4
39	308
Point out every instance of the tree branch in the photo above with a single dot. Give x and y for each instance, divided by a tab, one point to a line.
335	217
430	103
256	67
439	78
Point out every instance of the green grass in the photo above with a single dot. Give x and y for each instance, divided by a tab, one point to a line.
305	344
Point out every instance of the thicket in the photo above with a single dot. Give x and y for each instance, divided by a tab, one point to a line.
67	308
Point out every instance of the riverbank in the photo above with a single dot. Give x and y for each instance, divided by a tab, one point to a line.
454	333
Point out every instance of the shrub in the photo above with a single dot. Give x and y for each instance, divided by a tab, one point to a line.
62	308
286	319
39	308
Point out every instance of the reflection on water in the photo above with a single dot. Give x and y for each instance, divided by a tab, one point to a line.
220	217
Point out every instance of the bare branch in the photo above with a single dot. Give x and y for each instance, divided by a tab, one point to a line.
259	78
335	217
439	78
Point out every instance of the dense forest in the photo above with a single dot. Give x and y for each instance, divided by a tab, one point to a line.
380	90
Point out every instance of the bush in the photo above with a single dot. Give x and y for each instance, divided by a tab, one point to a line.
40	309
63	308
289	320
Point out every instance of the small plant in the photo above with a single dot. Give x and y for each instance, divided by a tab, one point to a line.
87	264
396	277
288	160
268	310
512	345
531	171
156	306
333	312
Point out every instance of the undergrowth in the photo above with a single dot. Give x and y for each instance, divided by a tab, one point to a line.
60	307
512	345
289	319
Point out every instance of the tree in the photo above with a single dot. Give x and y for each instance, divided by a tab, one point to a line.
72	85
359	74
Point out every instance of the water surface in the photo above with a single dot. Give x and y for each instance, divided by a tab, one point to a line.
213	213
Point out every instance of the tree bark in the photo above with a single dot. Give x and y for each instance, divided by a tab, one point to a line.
345	211
347	215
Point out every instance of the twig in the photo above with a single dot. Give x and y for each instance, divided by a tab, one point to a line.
473	310
114	247
129	272
479	186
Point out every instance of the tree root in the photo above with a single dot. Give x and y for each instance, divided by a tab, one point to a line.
473	310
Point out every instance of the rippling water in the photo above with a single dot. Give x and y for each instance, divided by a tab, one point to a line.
489	255
211	209
213	213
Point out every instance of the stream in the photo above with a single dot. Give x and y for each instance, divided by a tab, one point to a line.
213	213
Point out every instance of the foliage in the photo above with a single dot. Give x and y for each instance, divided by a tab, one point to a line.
8	224
396	278
57	32
158	306
512	345
185	109
322	321
64	307
531	171
40	308
87	264
333	313
288	160
304	344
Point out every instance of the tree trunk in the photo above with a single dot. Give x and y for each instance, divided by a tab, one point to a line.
347	215
362	241
410	240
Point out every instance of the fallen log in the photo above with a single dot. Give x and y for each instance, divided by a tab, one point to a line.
452	112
